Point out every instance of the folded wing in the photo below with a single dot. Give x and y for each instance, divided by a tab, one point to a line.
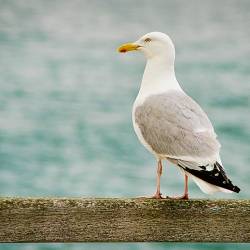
176	127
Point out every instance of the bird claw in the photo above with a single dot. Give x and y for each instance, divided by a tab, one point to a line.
157	196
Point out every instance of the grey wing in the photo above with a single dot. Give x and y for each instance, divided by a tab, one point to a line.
174	125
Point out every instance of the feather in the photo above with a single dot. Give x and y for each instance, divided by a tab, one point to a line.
210	178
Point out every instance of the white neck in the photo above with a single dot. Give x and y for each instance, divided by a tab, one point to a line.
158	77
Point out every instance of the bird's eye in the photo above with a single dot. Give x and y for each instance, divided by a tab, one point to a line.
147	40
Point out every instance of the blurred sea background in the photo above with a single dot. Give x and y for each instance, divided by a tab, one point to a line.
66	97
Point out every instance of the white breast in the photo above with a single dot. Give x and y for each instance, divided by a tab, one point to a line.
156	79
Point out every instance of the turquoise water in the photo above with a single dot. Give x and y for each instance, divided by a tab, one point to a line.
66	97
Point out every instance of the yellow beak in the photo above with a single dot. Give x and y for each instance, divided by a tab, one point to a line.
128	47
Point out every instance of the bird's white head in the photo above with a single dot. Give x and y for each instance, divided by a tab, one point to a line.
153	45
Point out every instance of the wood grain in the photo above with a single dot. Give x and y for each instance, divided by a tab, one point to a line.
123	220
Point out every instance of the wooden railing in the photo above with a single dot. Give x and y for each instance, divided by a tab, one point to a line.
123	220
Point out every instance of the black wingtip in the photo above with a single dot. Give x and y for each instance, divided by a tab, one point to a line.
236	189
217	176
229	183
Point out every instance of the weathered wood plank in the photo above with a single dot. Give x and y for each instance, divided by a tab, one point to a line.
123	220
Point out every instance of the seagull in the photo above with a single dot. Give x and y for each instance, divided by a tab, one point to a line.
171	125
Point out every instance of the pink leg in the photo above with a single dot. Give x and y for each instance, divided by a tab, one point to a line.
158	181
185	195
